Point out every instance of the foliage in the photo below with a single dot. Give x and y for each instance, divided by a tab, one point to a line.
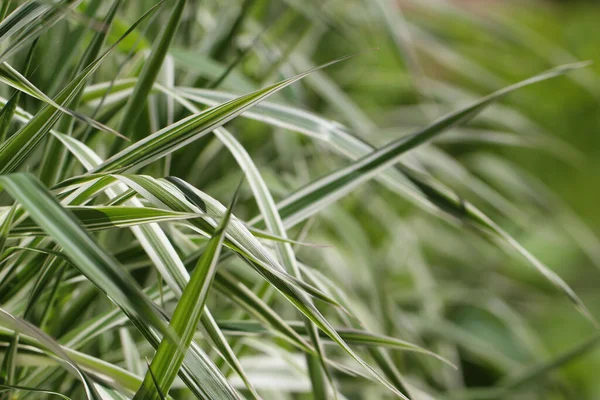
395	232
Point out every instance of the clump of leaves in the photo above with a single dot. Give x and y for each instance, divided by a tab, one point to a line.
122	274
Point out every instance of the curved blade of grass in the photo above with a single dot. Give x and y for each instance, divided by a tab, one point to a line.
240	293
13	78
164	194
334	186
315	196
299	120
96	218
350	335
438	196
9	388
168	357
303	304
315	126
149	189
37	345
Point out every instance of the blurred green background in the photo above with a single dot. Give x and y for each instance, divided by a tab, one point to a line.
477	47
432	57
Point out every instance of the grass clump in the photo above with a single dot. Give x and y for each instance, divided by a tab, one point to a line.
378	245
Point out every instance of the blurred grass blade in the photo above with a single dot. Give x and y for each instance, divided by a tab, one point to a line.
152	66
350	335
318	194
16	388
449	202
538	371
54	159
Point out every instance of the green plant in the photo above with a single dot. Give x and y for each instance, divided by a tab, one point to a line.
122	274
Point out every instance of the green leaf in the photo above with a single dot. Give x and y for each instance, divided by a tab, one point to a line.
97	218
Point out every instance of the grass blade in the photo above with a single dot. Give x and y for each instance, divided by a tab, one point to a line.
97	218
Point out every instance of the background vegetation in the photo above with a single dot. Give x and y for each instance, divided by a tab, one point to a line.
405	226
